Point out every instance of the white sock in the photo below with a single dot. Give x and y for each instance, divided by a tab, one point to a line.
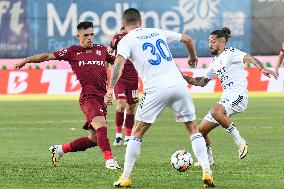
126	138
59	149
233	131
210	154
118	135
132	152
200	151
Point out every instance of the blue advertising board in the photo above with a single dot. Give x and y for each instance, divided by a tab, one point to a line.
52	23
13	28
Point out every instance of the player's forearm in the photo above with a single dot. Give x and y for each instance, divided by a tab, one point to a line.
254	61
116	73
37	58
187	40
197	81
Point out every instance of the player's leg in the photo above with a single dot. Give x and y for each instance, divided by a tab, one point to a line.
99	124
119	120
200	152
221	112
147	111
79	144
185	112
132	153
120	96
129	121
204	128
131	101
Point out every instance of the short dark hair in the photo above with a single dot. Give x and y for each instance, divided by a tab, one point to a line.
224	32
85	25
131	16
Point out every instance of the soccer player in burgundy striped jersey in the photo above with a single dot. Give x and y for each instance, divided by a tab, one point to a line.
280	59
88	62
126	94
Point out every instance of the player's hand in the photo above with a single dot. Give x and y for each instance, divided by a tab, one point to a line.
108	97
20	64
193	61
268	73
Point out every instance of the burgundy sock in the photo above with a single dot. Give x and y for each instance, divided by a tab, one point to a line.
80	144
129	122
119	116
103	142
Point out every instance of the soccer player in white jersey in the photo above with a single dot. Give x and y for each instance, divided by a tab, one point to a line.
228	66
164	87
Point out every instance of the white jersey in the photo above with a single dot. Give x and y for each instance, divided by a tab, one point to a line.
229	68
148	48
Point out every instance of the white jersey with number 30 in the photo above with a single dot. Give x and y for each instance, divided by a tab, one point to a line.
148	48
229	68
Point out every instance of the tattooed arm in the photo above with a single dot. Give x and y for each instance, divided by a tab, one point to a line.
197	81
254	61
258	64
116	70
115	75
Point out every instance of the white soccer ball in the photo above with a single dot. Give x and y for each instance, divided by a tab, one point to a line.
181	160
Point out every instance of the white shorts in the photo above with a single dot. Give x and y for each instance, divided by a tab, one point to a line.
234	103
154	102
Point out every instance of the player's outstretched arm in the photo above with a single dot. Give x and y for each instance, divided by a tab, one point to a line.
35	59
197	81
187	40
258	64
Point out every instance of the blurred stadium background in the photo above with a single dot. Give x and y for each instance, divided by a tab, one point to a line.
28	27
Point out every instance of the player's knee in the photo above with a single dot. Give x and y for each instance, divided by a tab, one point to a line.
191	127
203	131
130	108
92	136
216	113
139	129
120	107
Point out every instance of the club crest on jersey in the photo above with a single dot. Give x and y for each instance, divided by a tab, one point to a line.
98	52
99	63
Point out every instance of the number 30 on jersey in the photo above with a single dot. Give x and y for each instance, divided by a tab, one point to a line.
158	51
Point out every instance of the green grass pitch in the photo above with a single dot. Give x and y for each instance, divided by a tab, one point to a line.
30	124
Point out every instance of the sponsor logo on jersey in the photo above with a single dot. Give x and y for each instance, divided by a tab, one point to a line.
100	63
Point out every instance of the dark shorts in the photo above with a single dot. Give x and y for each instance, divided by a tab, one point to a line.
92	106
127	91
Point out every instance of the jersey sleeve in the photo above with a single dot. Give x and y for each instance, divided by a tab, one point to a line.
238	56
123	48
63	54
282	46
172	36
